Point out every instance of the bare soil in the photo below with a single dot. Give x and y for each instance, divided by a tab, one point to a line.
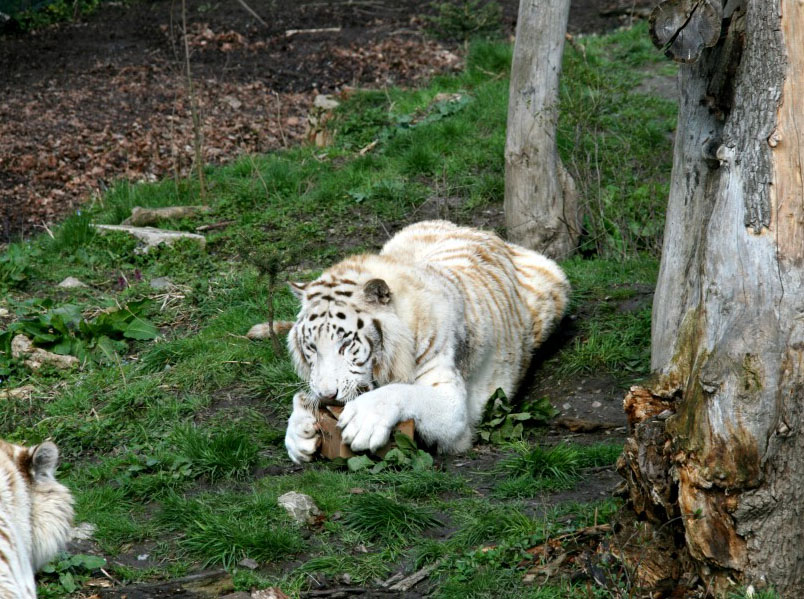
84	104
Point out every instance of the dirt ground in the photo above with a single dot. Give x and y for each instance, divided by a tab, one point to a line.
84	104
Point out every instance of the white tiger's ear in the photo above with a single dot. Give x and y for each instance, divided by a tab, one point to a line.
376	291
45	458
297	289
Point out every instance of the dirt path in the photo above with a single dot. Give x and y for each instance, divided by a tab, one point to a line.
88	103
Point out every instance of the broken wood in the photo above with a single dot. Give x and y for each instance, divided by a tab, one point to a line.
332	445
683	28
203	585
141	217
219	225
411	581
291	32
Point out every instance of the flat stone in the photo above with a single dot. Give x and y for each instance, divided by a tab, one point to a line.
72	283
152	237
249	563
299	506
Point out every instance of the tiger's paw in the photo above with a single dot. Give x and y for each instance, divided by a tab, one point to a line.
301	438
367	422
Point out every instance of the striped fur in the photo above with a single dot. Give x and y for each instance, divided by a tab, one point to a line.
36	513
427	329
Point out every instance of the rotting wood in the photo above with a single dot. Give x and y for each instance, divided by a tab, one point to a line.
150	216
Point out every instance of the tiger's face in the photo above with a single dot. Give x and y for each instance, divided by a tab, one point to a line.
336	341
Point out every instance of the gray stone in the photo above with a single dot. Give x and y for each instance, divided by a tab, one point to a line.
72	283
161	283
299	506
249	563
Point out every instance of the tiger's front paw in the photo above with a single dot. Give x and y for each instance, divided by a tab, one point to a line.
302	437
367	422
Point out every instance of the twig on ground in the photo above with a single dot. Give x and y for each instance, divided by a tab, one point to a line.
250	11
291	32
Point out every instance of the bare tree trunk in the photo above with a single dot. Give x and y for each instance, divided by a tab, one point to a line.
540	199
716	439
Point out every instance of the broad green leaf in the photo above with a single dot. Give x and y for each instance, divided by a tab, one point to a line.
359	462
404	443
140	329
421	461
67	582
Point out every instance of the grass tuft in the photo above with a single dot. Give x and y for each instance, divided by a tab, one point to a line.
380	517
221	453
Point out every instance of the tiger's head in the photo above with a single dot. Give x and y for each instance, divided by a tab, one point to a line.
347	338
50	502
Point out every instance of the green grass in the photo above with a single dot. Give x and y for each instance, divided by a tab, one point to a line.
179	441
383	518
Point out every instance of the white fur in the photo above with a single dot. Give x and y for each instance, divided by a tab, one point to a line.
463	313
36	513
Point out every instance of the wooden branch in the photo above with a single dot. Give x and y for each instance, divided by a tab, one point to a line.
683	28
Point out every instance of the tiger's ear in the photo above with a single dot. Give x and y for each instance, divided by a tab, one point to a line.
45	458
297	289
377	291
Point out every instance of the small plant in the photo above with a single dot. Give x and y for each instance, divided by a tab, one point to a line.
67	572
500	423
380	517
64	330
465	20
406	455
13	267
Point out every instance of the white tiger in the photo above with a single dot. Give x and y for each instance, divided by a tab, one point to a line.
36	514
427	330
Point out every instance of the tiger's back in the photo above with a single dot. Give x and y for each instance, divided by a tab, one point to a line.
513	296
35	515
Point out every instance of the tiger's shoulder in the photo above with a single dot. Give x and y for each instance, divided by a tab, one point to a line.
36	514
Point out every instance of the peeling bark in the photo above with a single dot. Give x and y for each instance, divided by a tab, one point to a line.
726	459
541	209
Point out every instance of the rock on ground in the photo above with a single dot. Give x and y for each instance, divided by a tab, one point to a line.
299	506
72	283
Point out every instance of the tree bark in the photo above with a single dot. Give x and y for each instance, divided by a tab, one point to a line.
722	451
540	200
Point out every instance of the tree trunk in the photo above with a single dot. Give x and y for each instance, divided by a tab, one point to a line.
540	199
716	440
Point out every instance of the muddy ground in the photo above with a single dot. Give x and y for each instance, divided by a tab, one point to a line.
84	104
